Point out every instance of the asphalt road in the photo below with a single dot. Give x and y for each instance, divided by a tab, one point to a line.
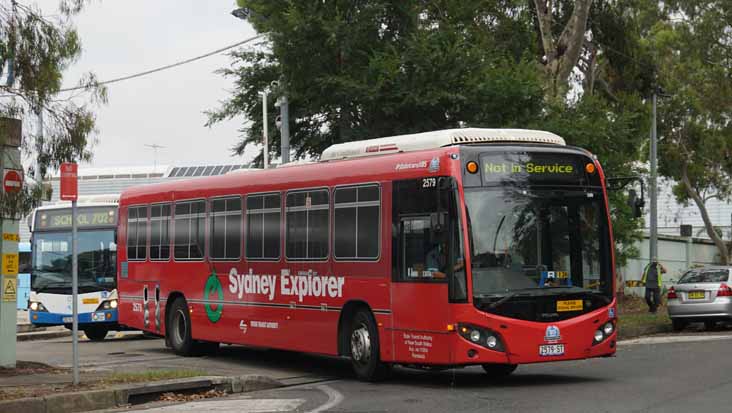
688	372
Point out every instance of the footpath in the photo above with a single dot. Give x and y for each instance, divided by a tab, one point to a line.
128	369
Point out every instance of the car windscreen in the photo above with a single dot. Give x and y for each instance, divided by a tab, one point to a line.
708	276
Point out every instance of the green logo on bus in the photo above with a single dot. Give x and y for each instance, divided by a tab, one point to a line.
213	284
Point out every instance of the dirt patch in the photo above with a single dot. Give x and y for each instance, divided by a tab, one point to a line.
30	367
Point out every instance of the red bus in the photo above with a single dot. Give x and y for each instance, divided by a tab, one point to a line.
450	248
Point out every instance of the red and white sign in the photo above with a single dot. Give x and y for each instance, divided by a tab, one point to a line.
12	181
69	181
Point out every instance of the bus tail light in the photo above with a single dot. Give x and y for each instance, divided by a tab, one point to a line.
724	291
672	294
481	336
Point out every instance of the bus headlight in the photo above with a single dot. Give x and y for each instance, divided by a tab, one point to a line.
481	336
108	305
36	306
599	336
474	336
608	328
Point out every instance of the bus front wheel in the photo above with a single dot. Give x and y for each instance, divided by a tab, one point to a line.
499	370
96	333
364	343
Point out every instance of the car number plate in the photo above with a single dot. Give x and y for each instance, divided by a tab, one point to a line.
68	319
696	295
551	350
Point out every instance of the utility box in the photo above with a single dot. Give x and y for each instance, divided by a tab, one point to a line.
686	230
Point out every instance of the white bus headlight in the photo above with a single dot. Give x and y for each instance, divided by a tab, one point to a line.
113	303
599	336
608	328
36	306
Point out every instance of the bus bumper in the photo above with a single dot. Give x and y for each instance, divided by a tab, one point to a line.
44	318
524	342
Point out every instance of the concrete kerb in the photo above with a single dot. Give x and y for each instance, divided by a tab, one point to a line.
126	394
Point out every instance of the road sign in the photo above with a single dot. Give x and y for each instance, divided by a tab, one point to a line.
12	181
10	264
69	181
10	289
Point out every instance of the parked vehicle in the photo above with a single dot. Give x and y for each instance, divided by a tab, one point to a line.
701	295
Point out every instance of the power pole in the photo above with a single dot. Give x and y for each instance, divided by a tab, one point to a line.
155	156
653	186
265	154
284	105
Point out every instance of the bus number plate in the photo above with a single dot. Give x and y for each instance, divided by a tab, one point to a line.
551	350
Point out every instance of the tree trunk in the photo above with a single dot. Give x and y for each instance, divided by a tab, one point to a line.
694	194
561	55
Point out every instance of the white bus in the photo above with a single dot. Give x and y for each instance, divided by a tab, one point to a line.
50	301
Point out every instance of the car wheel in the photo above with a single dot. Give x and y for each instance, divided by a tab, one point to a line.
96	333
499	370
365	354
677	324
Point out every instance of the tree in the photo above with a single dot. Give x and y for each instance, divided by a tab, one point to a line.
694	53
360	69
562	44
35	50
355	70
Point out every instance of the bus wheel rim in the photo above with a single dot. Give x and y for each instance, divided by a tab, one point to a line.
361	344
181	327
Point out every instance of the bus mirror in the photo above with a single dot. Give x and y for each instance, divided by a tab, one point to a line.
437	221
636	204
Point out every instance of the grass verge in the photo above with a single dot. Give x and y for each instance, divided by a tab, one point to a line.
634	320
151	375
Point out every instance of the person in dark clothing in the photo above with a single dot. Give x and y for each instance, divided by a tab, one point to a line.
653	281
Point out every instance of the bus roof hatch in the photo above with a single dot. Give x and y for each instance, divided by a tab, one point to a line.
436	139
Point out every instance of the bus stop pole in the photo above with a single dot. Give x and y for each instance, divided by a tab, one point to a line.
75	295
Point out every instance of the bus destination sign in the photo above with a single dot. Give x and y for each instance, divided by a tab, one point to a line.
533	168
85	217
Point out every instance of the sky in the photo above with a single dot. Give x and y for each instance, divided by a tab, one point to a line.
165	108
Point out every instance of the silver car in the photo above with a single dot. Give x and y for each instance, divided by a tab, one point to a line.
701	294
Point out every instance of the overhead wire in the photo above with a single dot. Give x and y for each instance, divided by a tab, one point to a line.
161	68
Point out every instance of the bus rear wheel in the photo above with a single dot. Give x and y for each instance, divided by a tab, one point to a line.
499	370
96	333
364	343
178	331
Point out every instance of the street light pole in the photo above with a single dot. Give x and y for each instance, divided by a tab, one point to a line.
265	142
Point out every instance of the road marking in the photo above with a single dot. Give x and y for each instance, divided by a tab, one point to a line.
235	406
334	399
672	339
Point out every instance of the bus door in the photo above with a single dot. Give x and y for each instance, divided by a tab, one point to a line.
425	260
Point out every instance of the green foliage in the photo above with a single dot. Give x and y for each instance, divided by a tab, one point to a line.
37	49
694	52
610	131
362	69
